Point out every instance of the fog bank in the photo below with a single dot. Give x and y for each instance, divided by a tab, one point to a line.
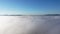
29	24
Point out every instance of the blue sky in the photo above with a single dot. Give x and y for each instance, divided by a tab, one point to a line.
29	7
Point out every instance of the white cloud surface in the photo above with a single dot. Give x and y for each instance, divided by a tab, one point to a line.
29	24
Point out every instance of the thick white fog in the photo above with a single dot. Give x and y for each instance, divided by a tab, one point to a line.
29	24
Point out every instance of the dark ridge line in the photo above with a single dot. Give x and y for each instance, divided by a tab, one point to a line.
34	15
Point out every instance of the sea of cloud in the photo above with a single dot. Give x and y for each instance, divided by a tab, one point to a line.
29	24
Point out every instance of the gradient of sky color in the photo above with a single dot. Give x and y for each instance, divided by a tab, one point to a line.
30	7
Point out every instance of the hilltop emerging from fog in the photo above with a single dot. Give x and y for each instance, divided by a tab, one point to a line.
51	15
32	15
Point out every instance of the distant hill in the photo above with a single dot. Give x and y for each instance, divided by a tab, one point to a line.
10	15
51	15
33	15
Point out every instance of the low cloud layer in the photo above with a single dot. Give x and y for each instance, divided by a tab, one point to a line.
29	24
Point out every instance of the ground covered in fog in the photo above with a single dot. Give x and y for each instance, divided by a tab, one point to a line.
29	24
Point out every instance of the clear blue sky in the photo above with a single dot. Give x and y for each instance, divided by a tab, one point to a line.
29	7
